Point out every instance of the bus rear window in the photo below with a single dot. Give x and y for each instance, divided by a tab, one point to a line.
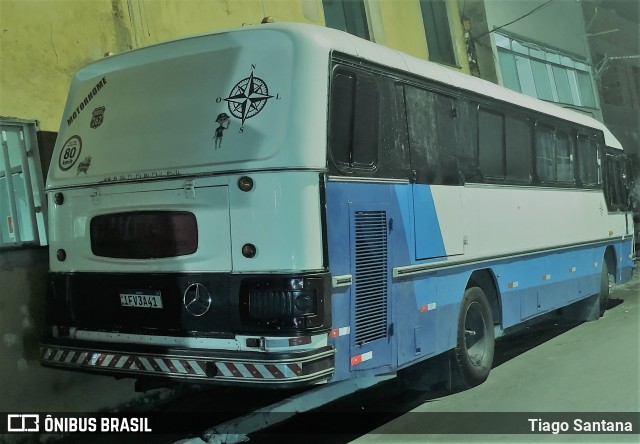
144	234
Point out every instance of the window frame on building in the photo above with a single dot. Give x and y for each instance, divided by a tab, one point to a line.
23	206
545	73
437	28
347	15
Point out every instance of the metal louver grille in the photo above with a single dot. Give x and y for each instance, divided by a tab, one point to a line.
370	275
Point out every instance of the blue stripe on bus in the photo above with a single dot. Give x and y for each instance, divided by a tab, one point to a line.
428	236
420	332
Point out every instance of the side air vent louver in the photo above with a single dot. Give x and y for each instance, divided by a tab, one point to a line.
371	276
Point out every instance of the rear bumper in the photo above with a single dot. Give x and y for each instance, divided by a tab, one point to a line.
290	369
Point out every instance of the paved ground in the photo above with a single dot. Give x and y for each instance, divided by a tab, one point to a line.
594	367
588	367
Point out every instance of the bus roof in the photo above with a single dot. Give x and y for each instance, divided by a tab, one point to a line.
237	99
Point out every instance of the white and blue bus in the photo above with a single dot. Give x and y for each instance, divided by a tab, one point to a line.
288	205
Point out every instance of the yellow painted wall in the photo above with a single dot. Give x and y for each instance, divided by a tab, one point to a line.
43	42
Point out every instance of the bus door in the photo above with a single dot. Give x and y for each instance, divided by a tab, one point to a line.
437	202
371	321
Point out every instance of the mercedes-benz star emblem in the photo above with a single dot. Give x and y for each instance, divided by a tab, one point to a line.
197	299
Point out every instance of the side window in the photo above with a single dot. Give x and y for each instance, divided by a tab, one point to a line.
587	157
353	131
518	137
564	157
545	153
491	144
431	124
615	184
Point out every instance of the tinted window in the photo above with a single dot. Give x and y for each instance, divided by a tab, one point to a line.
615	182
431	124
491	143
144	234
587	153
354	121
564	157
518	136
545	153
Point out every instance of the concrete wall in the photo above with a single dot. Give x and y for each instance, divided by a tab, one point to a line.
24	385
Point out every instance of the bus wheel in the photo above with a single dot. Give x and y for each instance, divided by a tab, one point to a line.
604	288
476	340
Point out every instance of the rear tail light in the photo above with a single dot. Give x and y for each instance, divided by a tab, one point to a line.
283	303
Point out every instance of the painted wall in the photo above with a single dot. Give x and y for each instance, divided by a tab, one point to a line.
42	43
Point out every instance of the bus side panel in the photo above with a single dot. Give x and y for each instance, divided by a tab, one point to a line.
624	253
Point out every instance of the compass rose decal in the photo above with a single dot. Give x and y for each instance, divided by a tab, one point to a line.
248	97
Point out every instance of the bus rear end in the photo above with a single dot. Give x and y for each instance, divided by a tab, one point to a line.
186	215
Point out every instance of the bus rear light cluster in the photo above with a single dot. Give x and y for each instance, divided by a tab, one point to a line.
268	304
283	303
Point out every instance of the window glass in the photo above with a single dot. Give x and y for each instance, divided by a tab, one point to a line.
518	140
525	75
544	74
502	41
519	47
354	121
545	153
612	183
343	89
586	90
564	157
509	70
491	143
587	154
541	80
573	86
346	15
562	85
431	122
365	125
436	26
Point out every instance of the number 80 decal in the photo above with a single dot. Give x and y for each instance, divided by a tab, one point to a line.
70	153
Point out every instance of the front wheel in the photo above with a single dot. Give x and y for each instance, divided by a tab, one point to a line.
476	340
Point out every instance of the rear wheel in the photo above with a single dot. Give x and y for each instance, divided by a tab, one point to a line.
604	288
476	341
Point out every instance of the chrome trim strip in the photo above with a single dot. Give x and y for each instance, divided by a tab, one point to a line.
344	280
366	179
432	267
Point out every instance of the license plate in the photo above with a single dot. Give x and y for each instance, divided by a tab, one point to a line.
141	298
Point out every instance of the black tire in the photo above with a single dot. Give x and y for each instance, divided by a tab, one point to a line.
604	288
476	340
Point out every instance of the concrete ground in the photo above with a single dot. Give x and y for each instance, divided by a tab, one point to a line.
594	367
